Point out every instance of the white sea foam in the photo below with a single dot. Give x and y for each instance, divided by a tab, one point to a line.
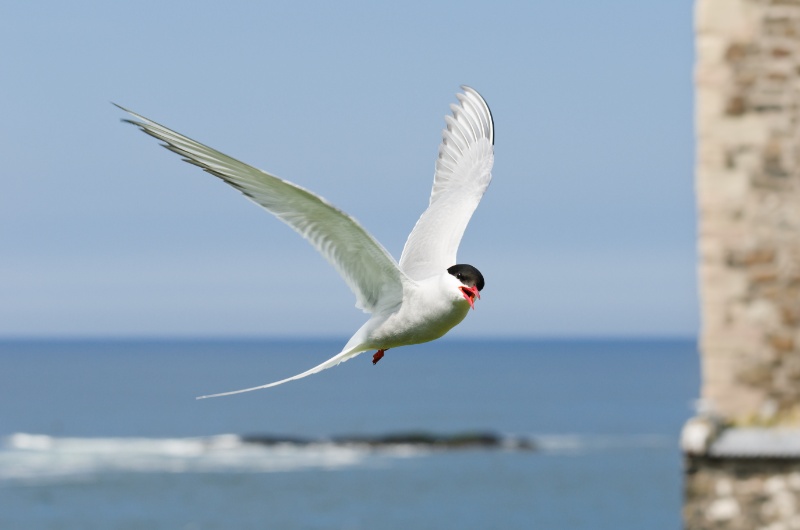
38	457
30	456
574	443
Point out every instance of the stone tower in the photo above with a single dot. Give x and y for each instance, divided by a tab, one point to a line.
743	449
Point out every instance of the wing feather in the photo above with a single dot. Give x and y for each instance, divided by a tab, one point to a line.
367	268
463	172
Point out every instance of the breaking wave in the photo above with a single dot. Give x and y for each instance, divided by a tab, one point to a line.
41	457
30	456
567	443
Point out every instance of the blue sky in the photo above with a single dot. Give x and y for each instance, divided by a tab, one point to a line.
588	228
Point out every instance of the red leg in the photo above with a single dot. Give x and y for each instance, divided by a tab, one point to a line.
378	356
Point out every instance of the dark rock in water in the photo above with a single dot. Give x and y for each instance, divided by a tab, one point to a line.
453	441
273	439
422	439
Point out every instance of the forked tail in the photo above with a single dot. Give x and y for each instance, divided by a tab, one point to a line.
330	363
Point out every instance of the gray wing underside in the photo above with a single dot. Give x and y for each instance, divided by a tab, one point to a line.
463	172
367	268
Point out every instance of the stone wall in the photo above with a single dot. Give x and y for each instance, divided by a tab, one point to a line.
748	189
742	452
742	494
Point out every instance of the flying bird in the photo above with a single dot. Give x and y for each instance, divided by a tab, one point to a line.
415	300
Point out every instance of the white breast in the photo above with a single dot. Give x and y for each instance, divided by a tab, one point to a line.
430	309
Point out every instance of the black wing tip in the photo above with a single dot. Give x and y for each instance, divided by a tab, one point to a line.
469	90
132	122
129	120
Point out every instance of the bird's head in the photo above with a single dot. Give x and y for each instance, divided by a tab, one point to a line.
471	282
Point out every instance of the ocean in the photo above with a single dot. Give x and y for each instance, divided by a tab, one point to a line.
107	434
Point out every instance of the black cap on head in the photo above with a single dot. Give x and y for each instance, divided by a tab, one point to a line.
469	275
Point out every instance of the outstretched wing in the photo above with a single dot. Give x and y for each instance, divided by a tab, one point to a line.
367	268
463	172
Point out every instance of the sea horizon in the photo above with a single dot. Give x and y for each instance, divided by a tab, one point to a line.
106	432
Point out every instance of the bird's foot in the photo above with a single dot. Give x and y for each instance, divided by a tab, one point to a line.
378	356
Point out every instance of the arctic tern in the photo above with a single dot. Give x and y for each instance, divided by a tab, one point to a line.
415	300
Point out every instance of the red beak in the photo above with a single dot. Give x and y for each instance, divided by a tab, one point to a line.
470	294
